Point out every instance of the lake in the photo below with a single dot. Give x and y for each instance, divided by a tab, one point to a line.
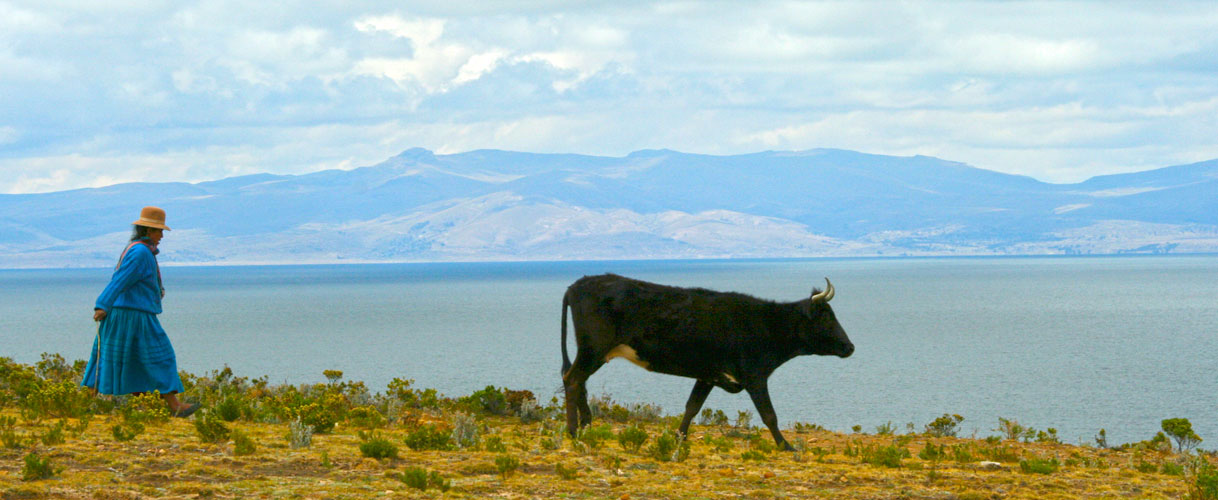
1073	343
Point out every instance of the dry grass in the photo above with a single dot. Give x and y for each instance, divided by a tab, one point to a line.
170	461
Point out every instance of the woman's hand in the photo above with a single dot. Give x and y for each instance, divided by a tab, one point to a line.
99	314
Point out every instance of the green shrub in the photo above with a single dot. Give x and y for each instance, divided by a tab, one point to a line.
506	465
1181	430
494	444
8	432
1172	469
54	435
232	408
883	456
366	417
126	431
933	453
1039	466
886	429
372	445
420	479
754	455
632	438
963	453
1047	436
1013	431
242	444
146	408
714	418
64	399
428	437
37	467
669	447
567	474
489	400
210	428
945	426
1203	479
594	436
1146	467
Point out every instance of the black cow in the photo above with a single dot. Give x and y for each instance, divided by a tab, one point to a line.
726	340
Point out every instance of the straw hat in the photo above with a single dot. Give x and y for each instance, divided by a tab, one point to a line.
152	217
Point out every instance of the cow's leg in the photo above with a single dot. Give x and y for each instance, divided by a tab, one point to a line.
576	391
696	398
761	399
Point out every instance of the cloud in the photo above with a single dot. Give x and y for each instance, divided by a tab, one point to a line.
1053	90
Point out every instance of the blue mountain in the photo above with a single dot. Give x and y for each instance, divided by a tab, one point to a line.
496	205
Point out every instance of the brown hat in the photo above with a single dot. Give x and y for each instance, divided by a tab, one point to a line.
152	217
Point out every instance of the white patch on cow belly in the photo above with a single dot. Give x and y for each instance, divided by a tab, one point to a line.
627	352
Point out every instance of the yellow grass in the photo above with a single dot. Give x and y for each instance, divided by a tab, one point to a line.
170	461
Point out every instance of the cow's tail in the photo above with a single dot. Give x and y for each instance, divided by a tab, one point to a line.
566	361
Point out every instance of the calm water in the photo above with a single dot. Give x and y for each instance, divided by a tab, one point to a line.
1077	344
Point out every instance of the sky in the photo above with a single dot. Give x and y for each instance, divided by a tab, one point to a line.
98	93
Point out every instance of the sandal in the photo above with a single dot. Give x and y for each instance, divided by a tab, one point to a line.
187	411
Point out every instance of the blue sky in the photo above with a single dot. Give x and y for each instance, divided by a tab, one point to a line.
96	93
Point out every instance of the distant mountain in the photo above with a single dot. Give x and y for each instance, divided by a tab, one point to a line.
501	205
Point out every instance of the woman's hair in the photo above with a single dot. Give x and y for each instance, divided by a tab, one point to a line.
138	231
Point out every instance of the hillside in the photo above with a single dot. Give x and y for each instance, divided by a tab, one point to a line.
500	205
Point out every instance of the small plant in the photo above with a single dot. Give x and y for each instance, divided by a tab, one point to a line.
232	408
885	429
494	444
419	479
333	376
489	400
594	436
945	426
372	445
1039	466
632	438
753	455
1101	439
126	431
243	444
210	428
933	453
714	418
1171	469
300	435
37	467
1202	479
743	419
567	474
428	437
1047	436
8	433
963	453
669	447
1013	430
1181	430
465	431
54	435
883	456
529	412
506	465
146	408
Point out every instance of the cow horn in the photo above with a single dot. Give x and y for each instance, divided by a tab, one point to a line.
826	295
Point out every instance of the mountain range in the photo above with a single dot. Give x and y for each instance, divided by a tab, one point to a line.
491	205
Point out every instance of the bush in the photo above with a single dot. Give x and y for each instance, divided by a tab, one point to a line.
632	438
366	417
1203	479
420	479
55	399
568	474
669	447
374	446
465	431
1012	430
1039	466
232	408
883	456
489	400
594	436
495	444
37	467
1181	430
933	453
506	465
945	426
210	428
54	435
714	418
300	435
146	408
126	431
753	455
428	437
243	444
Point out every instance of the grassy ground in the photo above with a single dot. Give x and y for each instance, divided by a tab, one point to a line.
508	458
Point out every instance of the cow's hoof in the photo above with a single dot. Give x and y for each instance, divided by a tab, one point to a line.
785	446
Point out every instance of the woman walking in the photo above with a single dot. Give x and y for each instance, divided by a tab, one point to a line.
131	353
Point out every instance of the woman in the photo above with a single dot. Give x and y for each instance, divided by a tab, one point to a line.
131	353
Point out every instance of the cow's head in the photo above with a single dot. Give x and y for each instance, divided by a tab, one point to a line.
823	334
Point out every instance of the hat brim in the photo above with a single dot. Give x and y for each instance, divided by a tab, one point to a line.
151	223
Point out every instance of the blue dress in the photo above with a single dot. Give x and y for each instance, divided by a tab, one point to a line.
131	352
